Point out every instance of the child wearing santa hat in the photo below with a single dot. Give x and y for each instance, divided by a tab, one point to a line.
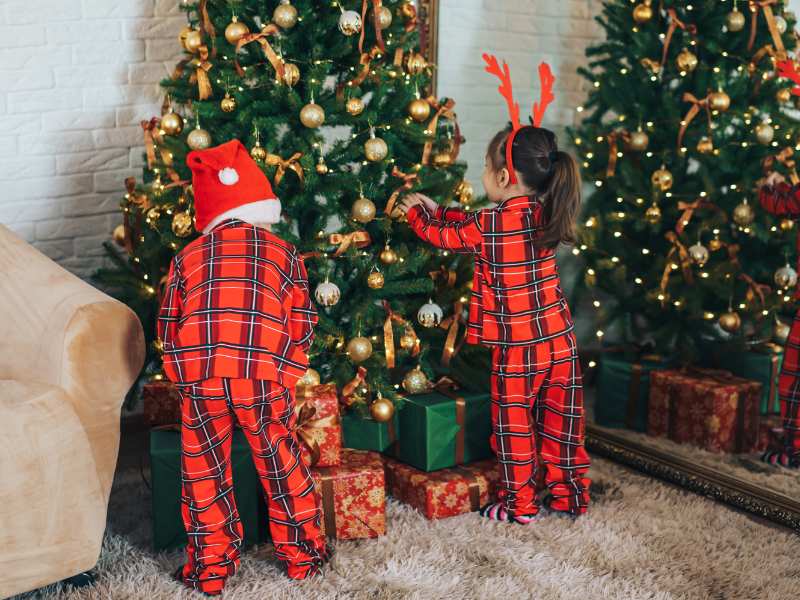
236	323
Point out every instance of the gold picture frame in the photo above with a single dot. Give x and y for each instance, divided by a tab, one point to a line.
428	27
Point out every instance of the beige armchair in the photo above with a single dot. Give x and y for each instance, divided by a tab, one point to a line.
68	355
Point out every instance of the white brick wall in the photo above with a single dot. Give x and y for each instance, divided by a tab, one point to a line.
79	75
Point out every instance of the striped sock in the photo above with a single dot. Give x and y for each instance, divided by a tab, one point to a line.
498	512
778	459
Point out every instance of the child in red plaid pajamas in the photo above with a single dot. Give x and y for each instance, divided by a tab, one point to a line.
782	199
518	309
236	322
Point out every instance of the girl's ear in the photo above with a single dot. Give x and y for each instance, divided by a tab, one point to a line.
503	177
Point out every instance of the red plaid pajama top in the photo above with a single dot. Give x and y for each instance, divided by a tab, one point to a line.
237	306
516	290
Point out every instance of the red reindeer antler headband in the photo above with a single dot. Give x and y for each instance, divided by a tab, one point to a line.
546	80
787	69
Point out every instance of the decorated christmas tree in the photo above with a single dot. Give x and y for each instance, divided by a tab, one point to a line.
333	99
677	251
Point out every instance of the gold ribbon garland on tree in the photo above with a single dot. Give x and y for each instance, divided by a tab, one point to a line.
261	38
442	110
448	276
388	334
697	105
359	239
290	164
766	50
366	64
376	6
200	75
206	25
306	427
683	260
409	180
350	387
766	8
688	209
674	23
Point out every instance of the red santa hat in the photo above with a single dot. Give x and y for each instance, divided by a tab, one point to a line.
228	183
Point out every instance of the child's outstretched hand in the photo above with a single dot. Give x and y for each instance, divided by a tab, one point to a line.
410	201
774	179
415	199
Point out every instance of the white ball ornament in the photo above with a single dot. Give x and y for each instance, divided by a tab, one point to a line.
327	293
786	277
350	22
430	314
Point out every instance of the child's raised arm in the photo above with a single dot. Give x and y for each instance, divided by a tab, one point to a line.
459	235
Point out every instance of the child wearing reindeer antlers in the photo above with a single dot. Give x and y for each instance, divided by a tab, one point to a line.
519	310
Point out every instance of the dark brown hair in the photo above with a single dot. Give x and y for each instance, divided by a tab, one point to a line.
551	173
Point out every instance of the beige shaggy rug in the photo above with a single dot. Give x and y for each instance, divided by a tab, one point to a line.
640	540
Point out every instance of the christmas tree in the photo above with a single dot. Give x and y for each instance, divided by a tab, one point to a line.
332	99
685	105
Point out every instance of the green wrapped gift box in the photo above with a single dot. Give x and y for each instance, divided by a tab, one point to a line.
763	364
363	433
623	389
165	467
438	431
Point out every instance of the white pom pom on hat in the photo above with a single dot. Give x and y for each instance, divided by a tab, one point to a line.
228	176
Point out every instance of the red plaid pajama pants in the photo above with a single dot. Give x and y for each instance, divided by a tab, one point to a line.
265	411
789	393
537	408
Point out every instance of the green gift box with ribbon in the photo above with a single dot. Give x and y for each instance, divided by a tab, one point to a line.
364	433
760	363
165	467
623	389
442	429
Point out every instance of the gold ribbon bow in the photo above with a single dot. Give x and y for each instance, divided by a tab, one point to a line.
409	180
784	157
755	289
274	160
674	23
451	324
376	6
307	428
448	276
766	7
366	64
688	209
413	20
200	75
697	105
388	334
358	238
350	388
766	50
206	25
613	148
684	261
151	133
442	110
261	38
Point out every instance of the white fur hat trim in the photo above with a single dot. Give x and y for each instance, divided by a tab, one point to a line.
255	213
228	176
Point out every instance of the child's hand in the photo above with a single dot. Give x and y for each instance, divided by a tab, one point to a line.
774	179
429	203
409	202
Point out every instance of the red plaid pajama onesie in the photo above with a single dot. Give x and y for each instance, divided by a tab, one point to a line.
784	200
236	322
518	310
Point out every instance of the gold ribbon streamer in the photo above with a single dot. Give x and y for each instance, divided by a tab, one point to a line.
447	275
755	289
274	160
202	67
684	261
206	25
306	427
693	112
674	23
451	324
376	5
388	334
350	388
150	130
442	110
688	209
613	148
359	238
766	50
409	180
366	63
261	38
766	7
413	20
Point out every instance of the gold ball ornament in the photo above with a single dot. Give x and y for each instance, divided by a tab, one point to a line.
416	382
375	280
228	103
653	215
705	145
363	210
350	23
715	244
310	378
743	214
786	277
416	63
291	74
375	149
765	133
327	293
719	101
198	139
780	24
322	168
172	123
687	61
258	152
408	341
152	217
182	224
119	235
407	10
235	31
730	322
787	224
419	110
430	314
442	159
784	95
465	192
661	179
312	115
384	17
285	15
359	349
780	332
639	141
354	106
642	13
699	254
182	36
388	256
193	41
382	410
735	21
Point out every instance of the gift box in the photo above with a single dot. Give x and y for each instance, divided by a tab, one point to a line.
623	389
770	433
762	363
318	425
708	408
165	467
443	429
353	496
444	493
161	403
363	433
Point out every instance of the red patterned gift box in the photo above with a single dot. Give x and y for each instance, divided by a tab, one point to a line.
319	427
162	403
444	493
708	408
353	496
